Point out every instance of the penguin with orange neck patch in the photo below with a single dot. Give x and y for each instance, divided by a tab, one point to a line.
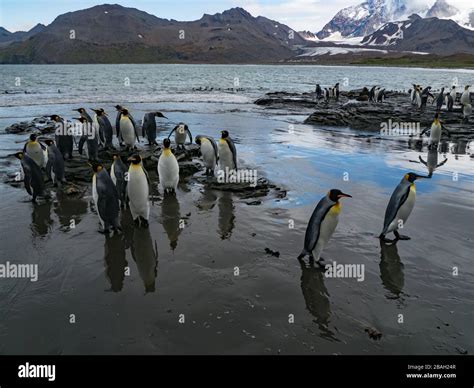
322	225
400	207
435	131
138	191
168	169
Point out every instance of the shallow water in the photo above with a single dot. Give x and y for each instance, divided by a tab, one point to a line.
190	271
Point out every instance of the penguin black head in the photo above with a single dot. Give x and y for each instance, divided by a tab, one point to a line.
135	159
467	87
49	142
99	112
159	114
436	118
80	110
412	177
115	156
96	167
335	195
124	111
118	107
55	118
19	155
198	140
225	134
166	143
33	137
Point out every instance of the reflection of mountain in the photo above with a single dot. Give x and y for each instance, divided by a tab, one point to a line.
41	221
145	254
316	297
67	209
226	215
114	257
170	218
391	269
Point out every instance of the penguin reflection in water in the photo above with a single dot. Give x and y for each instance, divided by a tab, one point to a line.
32	175
105	198
322	225
431	162
137	191
391	269
400	207
145	254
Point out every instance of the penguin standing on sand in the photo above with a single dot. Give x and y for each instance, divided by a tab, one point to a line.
89	136
168	169
106	132
64	139
326	94
181	131
35	150
149	126
435	131
418	101
55	164
209	153
118	108
137	191
400	207
32	175
227	152
117	173
439	100
466	95
105	198
128	130
322	225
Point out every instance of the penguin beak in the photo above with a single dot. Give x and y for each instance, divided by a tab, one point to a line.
421	177
342	195
130	159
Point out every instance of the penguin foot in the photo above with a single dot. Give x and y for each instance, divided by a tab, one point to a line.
136	221
402	237
144	222
385	239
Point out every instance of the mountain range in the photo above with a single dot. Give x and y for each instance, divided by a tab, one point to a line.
111	33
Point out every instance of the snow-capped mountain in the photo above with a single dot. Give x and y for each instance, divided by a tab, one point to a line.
367	17
441	9
430	35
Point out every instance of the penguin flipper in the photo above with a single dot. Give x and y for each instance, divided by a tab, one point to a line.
231	145
214	145
189	134
422	161
314	225
174	129
80	146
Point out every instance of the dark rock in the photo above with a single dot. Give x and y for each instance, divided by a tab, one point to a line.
373	333
268	251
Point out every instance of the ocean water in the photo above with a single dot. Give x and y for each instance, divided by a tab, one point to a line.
81	272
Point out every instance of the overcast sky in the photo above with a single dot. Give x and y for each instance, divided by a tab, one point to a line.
310	15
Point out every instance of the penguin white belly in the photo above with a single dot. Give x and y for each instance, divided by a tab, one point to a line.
326	230
467	110
137	190
112	174
226	159
127	131
36	153
404	211
465	98
208	154
95	197
418	100
168	171
180	136
435	133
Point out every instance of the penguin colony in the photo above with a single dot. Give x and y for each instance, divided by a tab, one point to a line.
129	185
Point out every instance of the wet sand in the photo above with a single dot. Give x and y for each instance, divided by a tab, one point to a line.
190	271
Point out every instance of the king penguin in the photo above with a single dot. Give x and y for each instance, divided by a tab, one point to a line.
400	207
137	191
322	225
35	150
208	152
106	133
466	104
149	126
435	131
227	152
84	114
55	164
32	176
466	95
128	130
105	198
168	169
439	100
181	132
64	139
118	171
89	136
